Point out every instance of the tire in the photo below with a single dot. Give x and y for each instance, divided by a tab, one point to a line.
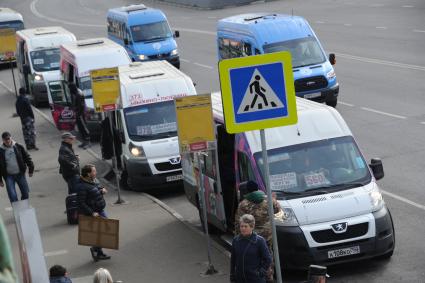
332	103
124	181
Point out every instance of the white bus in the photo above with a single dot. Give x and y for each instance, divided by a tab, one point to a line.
37	58
147	123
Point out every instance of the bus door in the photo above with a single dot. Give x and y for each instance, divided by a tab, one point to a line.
212	192
61	105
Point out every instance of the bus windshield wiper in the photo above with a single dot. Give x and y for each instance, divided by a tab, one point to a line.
329	188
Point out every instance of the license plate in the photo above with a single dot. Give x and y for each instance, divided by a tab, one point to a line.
344	252
174	178
312	95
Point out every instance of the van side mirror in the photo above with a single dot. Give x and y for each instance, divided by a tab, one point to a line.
332	58
26	69
176	34
126	41
377	168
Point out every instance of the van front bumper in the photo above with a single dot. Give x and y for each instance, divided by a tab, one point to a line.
295	253
141	178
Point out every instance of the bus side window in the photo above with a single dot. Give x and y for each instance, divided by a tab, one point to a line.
245	170
209	163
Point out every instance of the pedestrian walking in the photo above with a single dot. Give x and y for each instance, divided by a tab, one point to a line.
250	258
14	160
69	162
79	105
91	202
24	111
102	275
255	203
58	274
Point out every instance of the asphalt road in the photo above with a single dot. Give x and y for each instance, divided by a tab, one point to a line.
380	66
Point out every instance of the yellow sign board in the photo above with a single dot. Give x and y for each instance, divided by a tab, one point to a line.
8	42
195	123
258	92
106	89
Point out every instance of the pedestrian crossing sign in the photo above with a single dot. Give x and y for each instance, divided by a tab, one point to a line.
258	92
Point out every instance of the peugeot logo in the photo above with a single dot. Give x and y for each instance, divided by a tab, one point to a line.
175	160
339	227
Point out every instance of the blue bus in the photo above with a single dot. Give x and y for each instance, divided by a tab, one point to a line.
260	33
144	32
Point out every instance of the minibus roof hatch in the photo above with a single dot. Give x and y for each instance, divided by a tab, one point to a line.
89	42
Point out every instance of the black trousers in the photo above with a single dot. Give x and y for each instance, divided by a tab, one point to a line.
82	127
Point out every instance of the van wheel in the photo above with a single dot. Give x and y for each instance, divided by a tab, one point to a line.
332	103
212	230
124	181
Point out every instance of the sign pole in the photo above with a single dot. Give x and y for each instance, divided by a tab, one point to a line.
13	76
211	270
270	206
114	163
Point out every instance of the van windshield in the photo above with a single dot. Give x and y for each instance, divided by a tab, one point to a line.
45	60
16	25
151	121
316	167
305	51
151	32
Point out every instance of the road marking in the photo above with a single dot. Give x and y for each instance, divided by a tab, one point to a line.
418	30
9	208
54	253
381	62
84	279
184	60
408	6
6	87
346	104
320	22
212	17
405	200
381	27
348	25
196	31
204	66
383	113
38	14
423	123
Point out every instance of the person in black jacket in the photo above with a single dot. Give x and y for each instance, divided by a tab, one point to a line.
79	105
91	202
250	258
24	111
14	160
69	162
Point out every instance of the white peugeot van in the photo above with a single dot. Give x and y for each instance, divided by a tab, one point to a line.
37	58
332	208
147	123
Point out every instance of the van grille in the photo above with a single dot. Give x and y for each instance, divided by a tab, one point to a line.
311	83
328	235
159	56
167	166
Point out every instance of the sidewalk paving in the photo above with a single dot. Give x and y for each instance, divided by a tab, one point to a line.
154	245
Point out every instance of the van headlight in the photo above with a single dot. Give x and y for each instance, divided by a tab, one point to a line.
174	52
143	57
38	77
330	75
376	199
136	151
286	217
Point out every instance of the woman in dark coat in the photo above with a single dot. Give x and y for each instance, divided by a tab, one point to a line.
250	258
